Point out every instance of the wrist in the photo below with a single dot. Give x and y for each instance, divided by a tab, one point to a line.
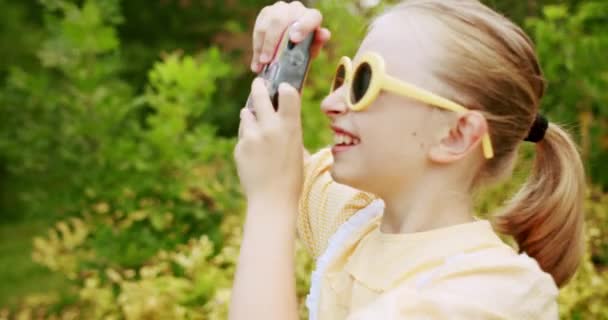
274	212
268	200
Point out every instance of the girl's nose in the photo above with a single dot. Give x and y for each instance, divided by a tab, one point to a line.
335	103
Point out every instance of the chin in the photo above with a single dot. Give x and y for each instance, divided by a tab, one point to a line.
346	176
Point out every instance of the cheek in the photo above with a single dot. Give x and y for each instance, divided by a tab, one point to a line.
390	151
394	145
400	133
395	154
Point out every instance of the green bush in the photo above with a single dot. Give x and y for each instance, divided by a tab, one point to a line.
572	46
142	178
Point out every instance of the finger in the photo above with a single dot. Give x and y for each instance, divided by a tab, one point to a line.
297	6
248	126
258	39
276	25
259	30
260	100
245	109
315	50
322	36
310	21
289	103
296	10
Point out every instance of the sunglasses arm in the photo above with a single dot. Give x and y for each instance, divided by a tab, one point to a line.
411	91
404	89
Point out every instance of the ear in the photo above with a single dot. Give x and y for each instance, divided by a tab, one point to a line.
463	138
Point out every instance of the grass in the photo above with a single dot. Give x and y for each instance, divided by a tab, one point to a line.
19	275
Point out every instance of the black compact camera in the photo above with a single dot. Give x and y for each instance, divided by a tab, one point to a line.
290	64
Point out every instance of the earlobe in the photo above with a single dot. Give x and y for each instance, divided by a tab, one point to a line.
462	138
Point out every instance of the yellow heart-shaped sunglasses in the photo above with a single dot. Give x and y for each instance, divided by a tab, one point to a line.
369	78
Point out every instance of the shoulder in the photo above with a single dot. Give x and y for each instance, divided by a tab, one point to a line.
494	283
499	278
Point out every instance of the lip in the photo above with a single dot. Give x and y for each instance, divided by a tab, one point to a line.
336	149
339	149
339	130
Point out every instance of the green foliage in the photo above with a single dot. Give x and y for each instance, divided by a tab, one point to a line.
572	45
133	155
61	113
16	263
20	34
144	172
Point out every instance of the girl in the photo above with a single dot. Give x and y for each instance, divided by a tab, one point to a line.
434	105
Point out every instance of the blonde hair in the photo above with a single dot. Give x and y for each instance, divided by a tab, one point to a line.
491	63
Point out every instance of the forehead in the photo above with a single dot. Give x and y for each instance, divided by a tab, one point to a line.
405	42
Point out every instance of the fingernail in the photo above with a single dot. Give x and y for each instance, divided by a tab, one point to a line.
265	57
295	32
296	35
284	86
295	27
254	66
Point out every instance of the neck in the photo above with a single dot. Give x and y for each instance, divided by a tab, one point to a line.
428	205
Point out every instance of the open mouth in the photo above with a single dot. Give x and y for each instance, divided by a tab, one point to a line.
343	140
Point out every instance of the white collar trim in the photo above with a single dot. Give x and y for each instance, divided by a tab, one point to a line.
335	244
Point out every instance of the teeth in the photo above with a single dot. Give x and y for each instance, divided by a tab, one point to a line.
344	139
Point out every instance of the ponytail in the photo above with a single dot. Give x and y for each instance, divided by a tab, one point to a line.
546	216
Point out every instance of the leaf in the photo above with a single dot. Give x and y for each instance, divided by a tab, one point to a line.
555	12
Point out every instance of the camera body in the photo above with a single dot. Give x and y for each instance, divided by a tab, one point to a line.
290	64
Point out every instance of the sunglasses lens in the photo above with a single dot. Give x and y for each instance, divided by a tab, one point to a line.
338	78
361	81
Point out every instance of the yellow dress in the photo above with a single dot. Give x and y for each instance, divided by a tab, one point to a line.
463	271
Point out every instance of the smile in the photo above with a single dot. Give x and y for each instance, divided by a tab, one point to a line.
344	139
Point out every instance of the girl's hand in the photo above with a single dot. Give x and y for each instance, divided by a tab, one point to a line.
269	152
274	19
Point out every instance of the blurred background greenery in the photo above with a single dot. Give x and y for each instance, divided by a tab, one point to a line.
118	194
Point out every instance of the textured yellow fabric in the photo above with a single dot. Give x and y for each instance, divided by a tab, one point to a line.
458	272
325	204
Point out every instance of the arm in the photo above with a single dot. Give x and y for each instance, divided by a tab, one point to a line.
269	158
269	162
264	284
